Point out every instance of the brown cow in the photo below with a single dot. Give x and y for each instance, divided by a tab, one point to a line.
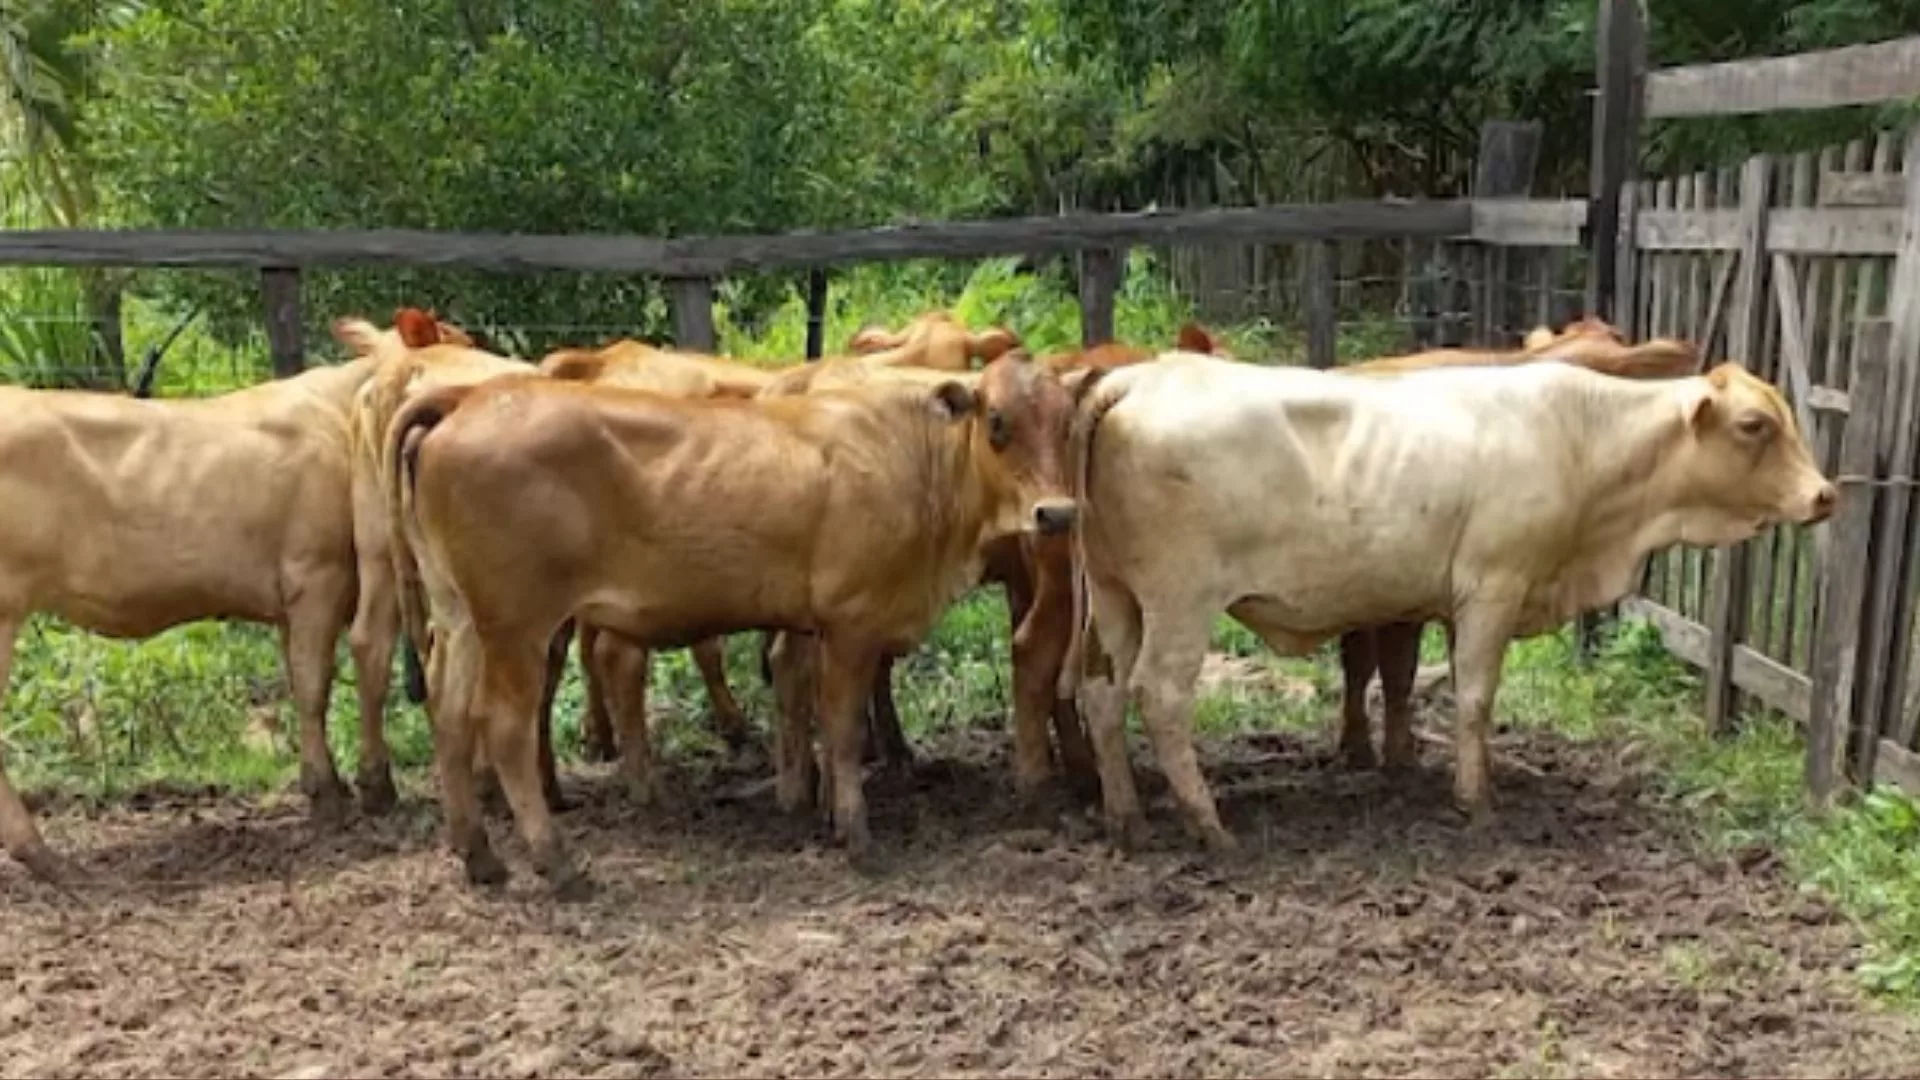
1036	572
935	339
617	670
418	354
128	517
852	515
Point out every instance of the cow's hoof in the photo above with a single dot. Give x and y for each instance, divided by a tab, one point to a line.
485	869
327	801
49	868
377	794
557	801
867	860
1401	760
599	753
1476	813
1128	832
1218	841
1042	804
571	885
1358	755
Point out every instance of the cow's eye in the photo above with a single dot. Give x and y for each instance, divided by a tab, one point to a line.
999	431
1753	426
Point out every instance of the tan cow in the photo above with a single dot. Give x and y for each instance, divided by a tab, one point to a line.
854	515
935	339
418	354
1305	504
1393	650
128	517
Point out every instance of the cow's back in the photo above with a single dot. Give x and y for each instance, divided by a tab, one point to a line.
129	516
1333	501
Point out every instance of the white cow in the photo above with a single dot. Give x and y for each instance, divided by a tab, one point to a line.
1305	504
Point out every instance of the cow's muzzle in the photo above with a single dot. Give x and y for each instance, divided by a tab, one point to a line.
1051	517
1821	504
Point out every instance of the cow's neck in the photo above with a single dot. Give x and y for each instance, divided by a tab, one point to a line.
1631	506
957	509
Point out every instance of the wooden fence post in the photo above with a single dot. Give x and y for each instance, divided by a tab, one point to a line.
280	289
693	315
1100	270
1727	606
1884	668
1621	44
816	312
1509	152
1844	575
1322	320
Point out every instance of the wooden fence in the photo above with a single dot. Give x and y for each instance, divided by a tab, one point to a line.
1807	269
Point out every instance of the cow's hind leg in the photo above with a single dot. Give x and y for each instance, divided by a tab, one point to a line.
846	675
1172	647
1358	659
376	626
885	739
511	685
729	720
596	734
1111	647
307	644
1398	650
452	670
1480	635
627	668
17	831
793	667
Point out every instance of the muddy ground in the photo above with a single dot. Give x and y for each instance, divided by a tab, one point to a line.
1367	934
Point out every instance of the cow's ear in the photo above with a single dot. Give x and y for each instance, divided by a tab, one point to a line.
990	345
1696	403
417	328
1081	380
953	400
1537	338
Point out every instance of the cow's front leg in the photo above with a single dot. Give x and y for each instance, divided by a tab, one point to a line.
307	645
729	720
549	691
1481	631
847	668
18	833
596	728
1358	660
1172	647
885	740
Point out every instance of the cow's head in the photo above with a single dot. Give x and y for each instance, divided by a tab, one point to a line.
1018	414
1195	338
1744	465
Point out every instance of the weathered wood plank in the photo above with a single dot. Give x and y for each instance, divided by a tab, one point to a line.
693	315
1322	329
1774	684
1100	271
280	292
1794	230
1726	605
1827	399
1854	75
1844	581
1519	222
1898	766
1710	324
1620	48
1795	343
1861	189
1883	651
714	256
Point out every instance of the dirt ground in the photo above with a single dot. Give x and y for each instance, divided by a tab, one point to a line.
1367	934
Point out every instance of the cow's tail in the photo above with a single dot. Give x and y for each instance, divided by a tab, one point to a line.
411	423
1096	401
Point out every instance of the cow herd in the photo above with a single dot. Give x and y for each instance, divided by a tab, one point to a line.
486	511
